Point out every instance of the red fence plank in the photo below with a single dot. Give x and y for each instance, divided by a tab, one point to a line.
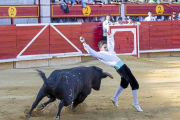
7	41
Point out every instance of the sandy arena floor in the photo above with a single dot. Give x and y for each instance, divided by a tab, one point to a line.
159	93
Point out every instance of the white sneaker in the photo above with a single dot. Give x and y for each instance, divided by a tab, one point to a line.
137	107
114	102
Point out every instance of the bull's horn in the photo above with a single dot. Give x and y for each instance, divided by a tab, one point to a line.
108	74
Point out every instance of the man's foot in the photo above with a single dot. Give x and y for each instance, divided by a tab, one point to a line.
114	102
137	107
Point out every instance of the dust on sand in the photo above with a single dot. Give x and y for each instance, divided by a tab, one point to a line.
159	93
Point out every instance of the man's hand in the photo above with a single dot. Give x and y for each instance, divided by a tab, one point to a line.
82	39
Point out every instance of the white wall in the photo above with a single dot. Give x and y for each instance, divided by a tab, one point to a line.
45	11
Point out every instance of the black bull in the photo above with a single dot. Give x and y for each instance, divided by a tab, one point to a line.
71	86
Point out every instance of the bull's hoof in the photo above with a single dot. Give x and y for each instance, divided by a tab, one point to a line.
27	116
40	107
73	110
56	118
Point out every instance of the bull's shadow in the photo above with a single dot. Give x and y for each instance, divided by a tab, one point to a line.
71	86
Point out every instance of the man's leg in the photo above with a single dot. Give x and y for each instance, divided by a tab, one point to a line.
134	85
124	84
136	104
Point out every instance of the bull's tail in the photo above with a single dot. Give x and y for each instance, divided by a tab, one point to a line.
43	76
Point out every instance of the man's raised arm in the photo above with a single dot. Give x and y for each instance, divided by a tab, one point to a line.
89	49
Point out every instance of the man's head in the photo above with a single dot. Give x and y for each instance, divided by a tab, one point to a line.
120	19
174	13
108	17
130	20
150	13
103	45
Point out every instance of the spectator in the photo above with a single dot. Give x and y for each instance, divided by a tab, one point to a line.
61	20
150	17
159	18
130	21
80	20
140	18
174	16
106	24
119	22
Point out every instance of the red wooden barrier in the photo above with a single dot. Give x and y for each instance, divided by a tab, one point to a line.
159	35
89	11
25	35
19	11
7	41
59	44
92	32
142	9
44	39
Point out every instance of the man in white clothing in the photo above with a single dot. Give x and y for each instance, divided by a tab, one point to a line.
108	56
150	17
105	25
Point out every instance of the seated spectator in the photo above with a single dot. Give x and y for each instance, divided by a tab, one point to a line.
102	2
136	1
106	24
139	18
60	20
159	18
80	20
119	22
174	16
125	1
130	21
150	17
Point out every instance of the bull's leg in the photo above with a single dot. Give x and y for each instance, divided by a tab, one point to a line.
57	116
78	100
39	97
43	105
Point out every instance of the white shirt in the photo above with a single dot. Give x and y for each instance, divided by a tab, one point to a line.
149	19
108	57
106	27
117	23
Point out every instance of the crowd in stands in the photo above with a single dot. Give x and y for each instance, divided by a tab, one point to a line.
114	19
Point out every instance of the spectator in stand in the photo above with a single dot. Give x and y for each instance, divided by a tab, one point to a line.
118	2
174	16
65	2
159	18
130	21
139	18
150	17
80	20
119	22
106	24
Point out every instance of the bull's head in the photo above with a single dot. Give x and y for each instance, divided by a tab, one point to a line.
98	74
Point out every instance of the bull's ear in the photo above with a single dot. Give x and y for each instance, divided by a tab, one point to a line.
97	68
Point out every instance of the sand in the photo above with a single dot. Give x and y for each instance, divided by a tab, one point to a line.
159	93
